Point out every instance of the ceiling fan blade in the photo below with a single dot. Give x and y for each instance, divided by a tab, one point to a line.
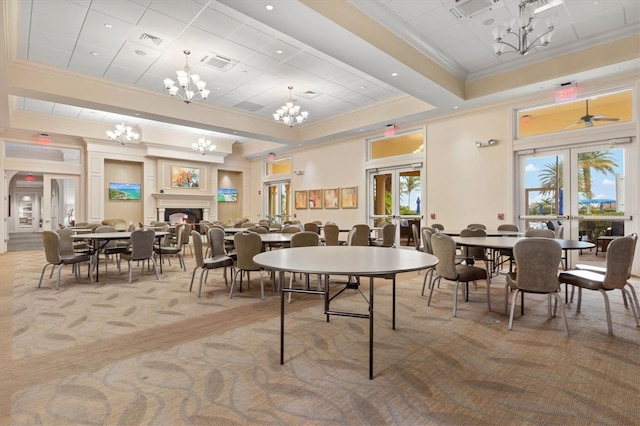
605	119
574	124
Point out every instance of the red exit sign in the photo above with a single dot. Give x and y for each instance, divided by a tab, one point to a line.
566	92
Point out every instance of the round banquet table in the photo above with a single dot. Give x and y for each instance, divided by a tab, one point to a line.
357	261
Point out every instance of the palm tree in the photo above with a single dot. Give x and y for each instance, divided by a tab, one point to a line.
597	160
408	184
551	178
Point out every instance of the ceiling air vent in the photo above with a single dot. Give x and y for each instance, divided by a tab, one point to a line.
471	8
218	62
153	39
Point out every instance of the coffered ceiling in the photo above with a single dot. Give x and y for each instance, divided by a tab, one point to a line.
355	65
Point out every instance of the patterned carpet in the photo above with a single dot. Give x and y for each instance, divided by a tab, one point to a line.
152	353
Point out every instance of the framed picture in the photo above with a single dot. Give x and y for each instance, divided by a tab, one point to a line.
315	198
331	197
302	198
185	177
349	197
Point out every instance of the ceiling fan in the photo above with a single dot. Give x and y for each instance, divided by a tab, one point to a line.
588	119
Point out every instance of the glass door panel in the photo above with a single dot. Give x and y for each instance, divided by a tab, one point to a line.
278	208
59	201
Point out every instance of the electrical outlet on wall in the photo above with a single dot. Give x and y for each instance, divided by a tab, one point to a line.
433	216
500	216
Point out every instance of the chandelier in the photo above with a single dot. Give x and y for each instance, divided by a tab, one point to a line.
190	84
123	134
290	114
522	40
203	145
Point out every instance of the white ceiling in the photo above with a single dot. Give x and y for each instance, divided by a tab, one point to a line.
334	66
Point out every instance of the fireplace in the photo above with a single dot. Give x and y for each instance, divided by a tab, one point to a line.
182	215
195	207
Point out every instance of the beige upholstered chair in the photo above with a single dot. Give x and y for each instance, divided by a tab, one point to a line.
290	229
51	242
118	224
217	260
359	235
141	249
505	255
444	248
304	239
415	231
312	226
472	254
619	258
539	232
259	229
247	225
477	226
388	236
111	248
331	233
438	226
166	249
427	233
247	244
537	259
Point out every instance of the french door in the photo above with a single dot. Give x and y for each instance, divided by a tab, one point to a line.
278	199
60	195
395	197
581	189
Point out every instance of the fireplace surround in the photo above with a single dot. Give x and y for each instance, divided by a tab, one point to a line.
195	206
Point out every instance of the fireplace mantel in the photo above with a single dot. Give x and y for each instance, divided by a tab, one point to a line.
184	200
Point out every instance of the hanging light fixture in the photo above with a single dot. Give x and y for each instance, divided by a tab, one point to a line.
191	85
290	114
522	39
203	145
123	134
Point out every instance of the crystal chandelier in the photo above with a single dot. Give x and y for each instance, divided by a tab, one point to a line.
190	84
123	134
290	114
203	145
522	40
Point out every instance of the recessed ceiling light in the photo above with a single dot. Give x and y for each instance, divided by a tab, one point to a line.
489	21
363	87
269	7
279	51
456	107
394	74
140	52
94	53
107	25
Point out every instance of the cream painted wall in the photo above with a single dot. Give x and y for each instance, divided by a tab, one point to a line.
466	184
123	172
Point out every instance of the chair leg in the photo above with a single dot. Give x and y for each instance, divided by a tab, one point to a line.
155	268
433	285
489	293
234	281
608	310
514	297
42	274
192	277
634	309
634	297
564	315
130	266
201	280
58	280
455	297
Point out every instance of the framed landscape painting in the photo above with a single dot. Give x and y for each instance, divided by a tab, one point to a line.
185	177
301	198
315	198
349	197
331	197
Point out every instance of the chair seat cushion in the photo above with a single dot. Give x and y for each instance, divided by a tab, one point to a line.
218	261
74	258
168	250
470	273
584	279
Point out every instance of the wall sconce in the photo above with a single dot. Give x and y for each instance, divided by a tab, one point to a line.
490	142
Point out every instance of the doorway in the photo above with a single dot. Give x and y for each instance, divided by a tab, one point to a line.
395	197
278	199
581	189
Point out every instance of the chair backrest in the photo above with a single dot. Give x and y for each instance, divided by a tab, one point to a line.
389	234
508	227
247	244
166	240
415	231
311	226
104	229
558	232
258	229
437	226
142	243
331	234
290	229
215	236
51	243
475	252
537	259
131	227
444	248
359	235
184	234
247	225
305	239
477	226
619	259
66	242
198	252
426	240
540	232
275	227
